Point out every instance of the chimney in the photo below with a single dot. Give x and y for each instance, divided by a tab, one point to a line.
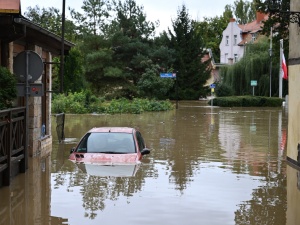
260	17
232	20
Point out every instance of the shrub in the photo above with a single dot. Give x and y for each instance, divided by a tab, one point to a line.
246	101
77	103
8	89
224	90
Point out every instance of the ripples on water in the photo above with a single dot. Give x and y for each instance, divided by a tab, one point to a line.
211	166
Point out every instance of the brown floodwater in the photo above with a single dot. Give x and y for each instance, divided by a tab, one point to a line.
208	165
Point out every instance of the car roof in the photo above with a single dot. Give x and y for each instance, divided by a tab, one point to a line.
129	130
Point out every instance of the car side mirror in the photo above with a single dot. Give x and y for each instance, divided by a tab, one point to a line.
145	151
72	150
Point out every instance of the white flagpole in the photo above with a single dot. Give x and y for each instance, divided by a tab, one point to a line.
280	68
271	61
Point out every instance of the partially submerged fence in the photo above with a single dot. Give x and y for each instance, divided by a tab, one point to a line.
13	151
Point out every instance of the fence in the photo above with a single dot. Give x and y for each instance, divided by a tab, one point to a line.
13	151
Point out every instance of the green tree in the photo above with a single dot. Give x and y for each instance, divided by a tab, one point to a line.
152	86
8	89
94	16
211	31
253	66
99	70
244	11
188	46
51	19
74	78
280	25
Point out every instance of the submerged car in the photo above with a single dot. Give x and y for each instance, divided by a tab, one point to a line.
110	145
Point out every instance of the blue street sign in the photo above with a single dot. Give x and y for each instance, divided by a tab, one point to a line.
168	75
212	86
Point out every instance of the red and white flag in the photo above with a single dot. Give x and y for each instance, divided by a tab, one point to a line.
284	68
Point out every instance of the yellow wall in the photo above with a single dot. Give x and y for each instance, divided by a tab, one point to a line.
294	84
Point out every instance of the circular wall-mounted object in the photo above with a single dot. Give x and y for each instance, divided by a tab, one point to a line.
28	60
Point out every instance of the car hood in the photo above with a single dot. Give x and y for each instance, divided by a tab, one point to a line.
104	170
104	158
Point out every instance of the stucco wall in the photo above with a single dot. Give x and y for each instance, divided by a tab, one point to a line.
231	49
294	90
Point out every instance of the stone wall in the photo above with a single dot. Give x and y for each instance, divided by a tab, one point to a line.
38	144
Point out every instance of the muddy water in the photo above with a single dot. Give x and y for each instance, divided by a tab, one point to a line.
211	166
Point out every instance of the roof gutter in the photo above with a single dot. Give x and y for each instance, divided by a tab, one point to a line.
42	30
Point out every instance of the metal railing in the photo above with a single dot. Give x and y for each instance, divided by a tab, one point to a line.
13	151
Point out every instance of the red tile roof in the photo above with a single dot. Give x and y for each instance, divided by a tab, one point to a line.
9	6
255	25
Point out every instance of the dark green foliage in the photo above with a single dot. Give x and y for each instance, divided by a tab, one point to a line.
246	101
189	50
280	24
8	89
152	86
223	90
211	31
74	75
255	65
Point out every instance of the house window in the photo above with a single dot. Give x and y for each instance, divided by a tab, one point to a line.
226	57
227	40
235	57
235	39
253	37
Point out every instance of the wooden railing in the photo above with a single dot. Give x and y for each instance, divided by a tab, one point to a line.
12	143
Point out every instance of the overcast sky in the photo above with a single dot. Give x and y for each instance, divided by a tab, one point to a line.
162	10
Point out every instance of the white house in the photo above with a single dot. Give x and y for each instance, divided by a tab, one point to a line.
236	36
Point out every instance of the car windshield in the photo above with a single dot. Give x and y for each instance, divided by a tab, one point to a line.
107	143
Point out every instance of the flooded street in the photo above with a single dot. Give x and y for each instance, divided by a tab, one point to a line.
208	165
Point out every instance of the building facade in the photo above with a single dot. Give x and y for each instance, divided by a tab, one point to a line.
237	36
17	35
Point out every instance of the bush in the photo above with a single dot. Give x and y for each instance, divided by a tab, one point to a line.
8	90
78	103
223	90
247	101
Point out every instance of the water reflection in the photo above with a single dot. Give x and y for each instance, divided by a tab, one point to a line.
293	196
128	170
207	165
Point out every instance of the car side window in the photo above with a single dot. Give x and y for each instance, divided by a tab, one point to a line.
140	140
82	147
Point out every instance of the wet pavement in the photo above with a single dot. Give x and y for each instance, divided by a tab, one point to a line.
208	165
